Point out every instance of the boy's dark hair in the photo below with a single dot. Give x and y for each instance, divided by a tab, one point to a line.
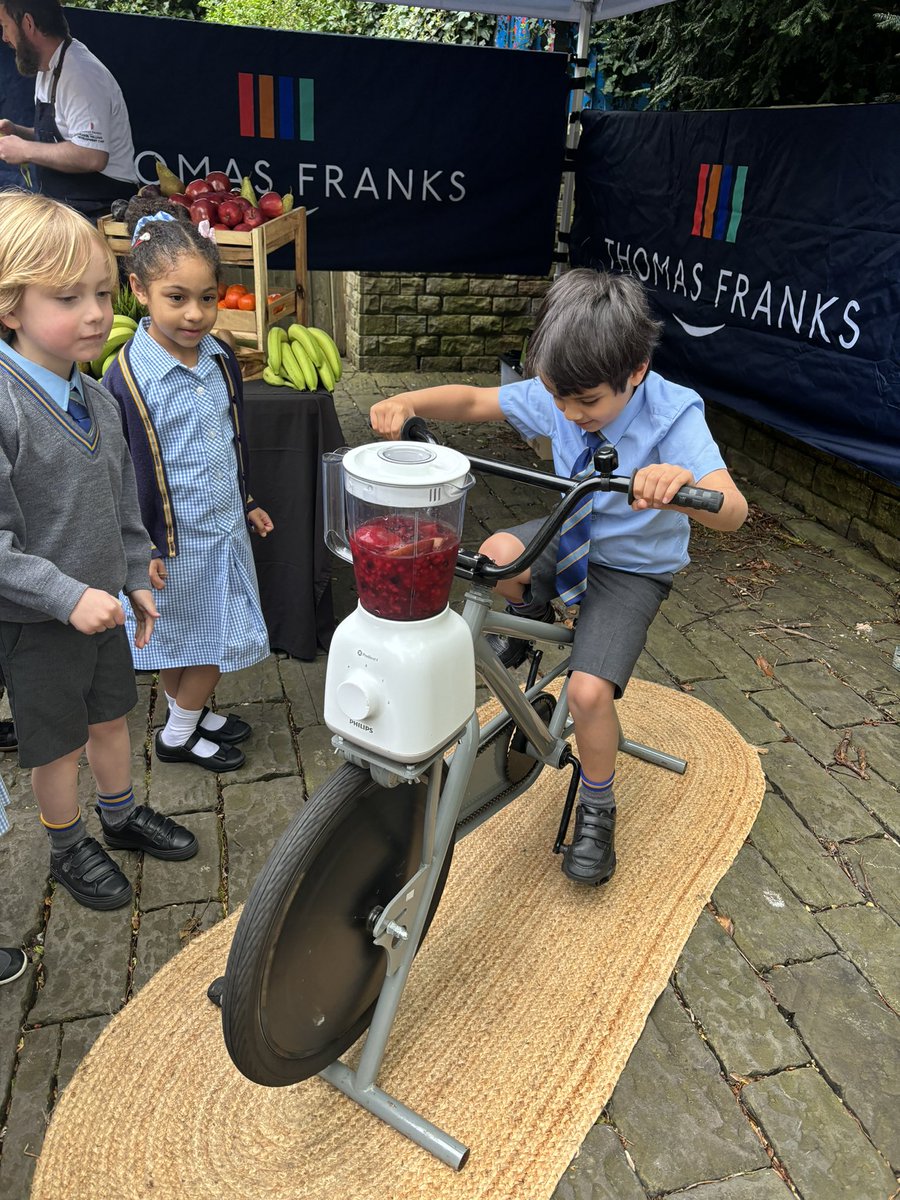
47	15
592	328
167	241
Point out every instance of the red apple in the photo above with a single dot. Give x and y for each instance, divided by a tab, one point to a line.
242	227
197	188
230	213
204	209
253	217
178	198
271	205
219	225
218	181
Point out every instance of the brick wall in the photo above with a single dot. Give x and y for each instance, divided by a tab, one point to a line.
855	503
438	322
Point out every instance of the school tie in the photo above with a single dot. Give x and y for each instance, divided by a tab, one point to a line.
78	412
575	535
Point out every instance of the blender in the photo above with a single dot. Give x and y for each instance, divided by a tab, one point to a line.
400	680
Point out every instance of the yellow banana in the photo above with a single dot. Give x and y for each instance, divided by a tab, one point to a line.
301	335
109	362
271	377
273	346
291	366
121	321
327	376
117	338
306	365
329	349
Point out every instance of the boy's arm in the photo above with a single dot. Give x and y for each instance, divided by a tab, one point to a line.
449	402
654	487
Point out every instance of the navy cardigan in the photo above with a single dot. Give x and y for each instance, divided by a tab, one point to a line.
152	482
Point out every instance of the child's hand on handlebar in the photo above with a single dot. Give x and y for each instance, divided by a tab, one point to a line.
656	486
387	417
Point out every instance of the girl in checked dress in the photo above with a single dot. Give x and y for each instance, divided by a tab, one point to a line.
179	389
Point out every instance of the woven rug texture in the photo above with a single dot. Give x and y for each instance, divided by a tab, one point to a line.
518	1018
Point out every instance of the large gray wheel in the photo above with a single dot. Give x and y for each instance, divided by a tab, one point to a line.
303	973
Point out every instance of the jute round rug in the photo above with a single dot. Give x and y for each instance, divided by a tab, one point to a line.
519	1015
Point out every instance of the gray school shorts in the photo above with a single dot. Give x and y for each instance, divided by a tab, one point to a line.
61	681
615	612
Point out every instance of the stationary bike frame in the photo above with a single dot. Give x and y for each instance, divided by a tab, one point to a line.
467	784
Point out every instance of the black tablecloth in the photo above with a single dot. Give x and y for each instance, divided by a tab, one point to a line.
288	431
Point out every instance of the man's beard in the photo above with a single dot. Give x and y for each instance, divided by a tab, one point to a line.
27	60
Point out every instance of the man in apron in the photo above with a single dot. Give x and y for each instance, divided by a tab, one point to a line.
80	149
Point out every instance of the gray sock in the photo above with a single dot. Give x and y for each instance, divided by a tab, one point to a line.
64	839
115	810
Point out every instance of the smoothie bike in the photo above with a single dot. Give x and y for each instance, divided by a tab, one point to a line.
328	934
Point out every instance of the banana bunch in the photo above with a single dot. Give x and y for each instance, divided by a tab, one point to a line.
122	331
301	357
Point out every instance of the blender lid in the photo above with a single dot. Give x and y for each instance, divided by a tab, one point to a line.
406	474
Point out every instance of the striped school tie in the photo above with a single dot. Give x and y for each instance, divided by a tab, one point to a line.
575	535
77	411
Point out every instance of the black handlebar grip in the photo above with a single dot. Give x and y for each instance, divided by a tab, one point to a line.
688	497
696	497
415	430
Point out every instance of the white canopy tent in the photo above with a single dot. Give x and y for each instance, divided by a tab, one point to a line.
585	13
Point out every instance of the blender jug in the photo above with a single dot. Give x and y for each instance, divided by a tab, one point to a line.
403	507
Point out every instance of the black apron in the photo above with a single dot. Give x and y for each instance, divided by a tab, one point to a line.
88	191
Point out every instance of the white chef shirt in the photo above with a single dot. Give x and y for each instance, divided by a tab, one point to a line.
90	108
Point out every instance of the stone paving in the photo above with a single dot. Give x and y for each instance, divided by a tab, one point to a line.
770	1065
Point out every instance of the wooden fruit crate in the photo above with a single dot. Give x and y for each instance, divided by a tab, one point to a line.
249	249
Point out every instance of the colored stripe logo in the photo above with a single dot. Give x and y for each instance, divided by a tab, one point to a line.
276	106
720	201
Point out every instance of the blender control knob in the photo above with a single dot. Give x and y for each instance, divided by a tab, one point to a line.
354	699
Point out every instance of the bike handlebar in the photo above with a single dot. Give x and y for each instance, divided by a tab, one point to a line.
470	565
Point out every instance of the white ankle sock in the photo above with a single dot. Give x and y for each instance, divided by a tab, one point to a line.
211	723
181	724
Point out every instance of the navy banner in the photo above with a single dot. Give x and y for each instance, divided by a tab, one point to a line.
407	156
770	242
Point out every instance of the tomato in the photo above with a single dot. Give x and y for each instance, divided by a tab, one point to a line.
247	302
235	289
273	296
221	304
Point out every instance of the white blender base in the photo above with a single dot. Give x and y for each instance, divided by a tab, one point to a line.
400	688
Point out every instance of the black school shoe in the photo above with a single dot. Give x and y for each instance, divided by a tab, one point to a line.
87	872
591	858
226	758
151	832
513	651
233	731
13	964
8	739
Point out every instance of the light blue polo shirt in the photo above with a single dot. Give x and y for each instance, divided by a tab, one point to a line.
57	388
661	423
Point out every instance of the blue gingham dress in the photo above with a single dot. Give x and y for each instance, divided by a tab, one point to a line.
4	800
209	610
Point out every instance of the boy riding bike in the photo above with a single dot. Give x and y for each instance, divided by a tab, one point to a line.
590	383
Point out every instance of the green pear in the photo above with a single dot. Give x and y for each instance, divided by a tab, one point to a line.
169	183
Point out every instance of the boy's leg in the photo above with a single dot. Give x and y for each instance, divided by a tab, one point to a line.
610	633
591	855
126	825
183	739
527	594
77	861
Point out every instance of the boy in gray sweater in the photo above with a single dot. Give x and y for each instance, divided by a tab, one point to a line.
70	540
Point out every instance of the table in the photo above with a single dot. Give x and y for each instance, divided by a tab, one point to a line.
288	431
